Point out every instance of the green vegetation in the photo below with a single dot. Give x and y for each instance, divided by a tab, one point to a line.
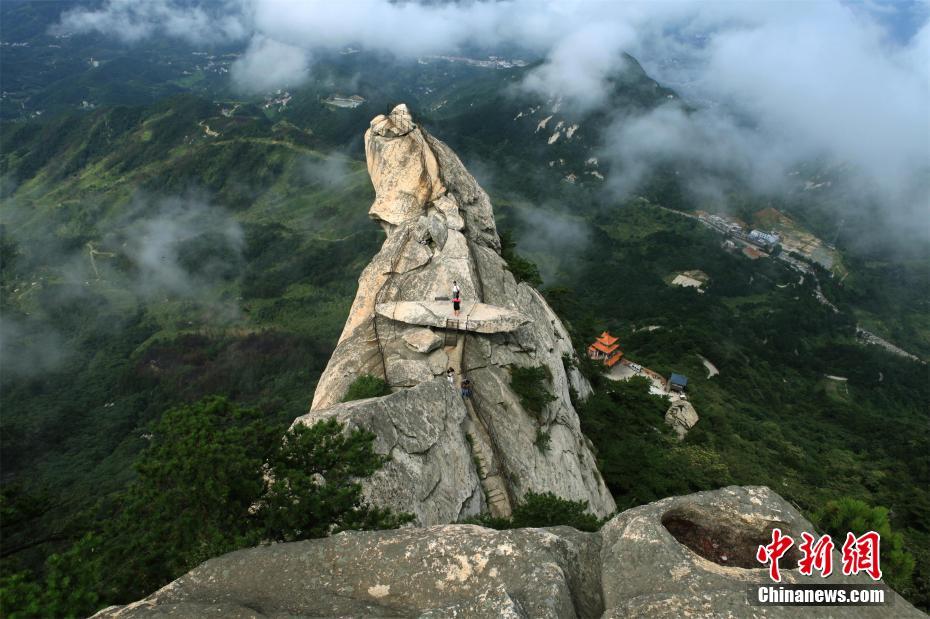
199	482
104	331
770	417
297	505
530	386
847	514
544	510
887	296
249	303
639	456
366	386
543	440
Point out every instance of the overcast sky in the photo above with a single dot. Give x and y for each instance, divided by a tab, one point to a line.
846	81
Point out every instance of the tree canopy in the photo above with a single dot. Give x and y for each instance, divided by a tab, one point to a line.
214	478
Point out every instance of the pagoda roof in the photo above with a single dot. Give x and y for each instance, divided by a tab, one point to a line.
606	338
604	348
614	358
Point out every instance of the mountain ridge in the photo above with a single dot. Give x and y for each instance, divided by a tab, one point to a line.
77	426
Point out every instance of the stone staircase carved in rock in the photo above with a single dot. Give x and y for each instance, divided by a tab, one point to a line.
482	445
495	489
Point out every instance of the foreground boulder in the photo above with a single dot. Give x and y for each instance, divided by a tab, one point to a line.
643	563
440	229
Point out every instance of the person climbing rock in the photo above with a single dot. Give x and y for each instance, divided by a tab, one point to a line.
450	376
466	387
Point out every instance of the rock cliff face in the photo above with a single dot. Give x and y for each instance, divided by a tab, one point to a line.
452	457
689	556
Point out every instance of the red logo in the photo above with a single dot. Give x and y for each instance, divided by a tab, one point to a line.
860	554
774	551
817	556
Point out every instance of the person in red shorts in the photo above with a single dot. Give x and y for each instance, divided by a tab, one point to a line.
456	299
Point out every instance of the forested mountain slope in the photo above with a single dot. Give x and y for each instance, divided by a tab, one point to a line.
188	240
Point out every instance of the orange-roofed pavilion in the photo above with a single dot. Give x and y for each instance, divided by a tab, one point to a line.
605	348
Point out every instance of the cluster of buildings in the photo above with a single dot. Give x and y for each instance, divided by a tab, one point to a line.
279	99
492	62
767	241
214	64
606	349
350	101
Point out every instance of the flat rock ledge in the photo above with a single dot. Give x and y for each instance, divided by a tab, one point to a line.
680	557
474	317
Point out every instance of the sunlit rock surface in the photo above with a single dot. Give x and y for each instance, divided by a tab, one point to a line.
684	556
474	317
681	416
430	472
440	229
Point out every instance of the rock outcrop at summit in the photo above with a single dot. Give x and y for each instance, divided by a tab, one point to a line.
440	229
689	556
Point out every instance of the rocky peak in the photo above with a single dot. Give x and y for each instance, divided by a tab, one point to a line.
402	167
452	457
456	456
396	124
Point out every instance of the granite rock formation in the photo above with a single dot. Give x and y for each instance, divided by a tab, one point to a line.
453	457
681	416
440	229
688	556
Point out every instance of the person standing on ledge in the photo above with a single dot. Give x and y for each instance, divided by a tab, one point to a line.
456	298
450	375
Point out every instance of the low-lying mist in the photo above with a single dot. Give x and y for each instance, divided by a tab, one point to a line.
768	86
178	249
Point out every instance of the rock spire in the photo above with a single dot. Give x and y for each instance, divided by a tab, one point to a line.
452	457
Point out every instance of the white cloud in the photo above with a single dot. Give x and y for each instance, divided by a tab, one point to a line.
578	66
822	80
804	79
154	238
132	20
268	64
